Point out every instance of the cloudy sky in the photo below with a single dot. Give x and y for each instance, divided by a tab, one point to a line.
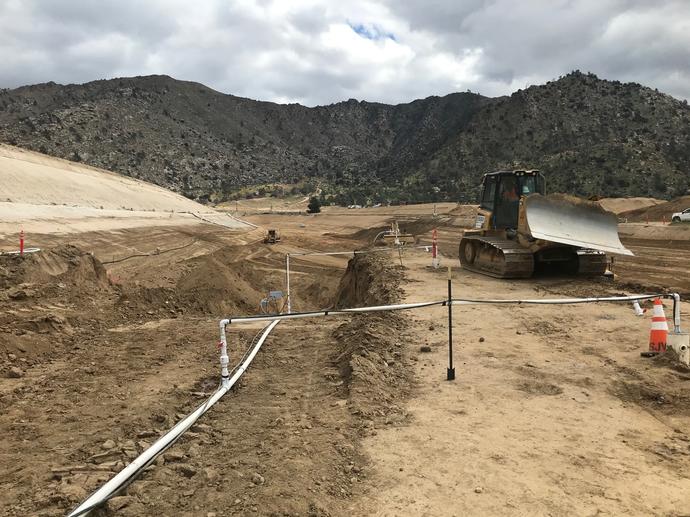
320	51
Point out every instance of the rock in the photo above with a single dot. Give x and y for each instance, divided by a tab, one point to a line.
425	349
73	492
15	373
481	339
108	444
12	357
21	294
258	479
118	503
211	514
211	474
186	470
194	451
478	490
172	457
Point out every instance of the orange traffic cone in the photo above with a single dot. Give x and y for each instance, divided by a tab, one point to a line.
659	330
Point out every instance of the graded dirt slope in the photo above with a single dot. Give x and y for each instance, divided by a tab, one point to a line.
50	195
28	177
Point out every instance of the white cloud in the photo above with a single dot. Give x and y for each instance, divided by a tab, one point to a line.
316	51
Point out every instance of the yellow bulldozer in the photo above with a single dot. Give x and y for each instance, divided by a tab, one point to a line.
519	230
271	236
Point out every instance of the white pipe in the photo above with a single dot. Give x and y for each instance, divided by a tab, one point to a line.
335	312
636	307
403	306
127	475
287	273
26	250
356	252
224	359
676	313
561	301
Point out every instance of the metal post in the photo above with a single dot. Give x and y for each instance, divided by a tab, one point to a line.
287	282
451	369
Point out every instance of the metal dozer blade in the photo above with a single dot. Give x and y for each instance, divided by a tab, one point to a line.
573	221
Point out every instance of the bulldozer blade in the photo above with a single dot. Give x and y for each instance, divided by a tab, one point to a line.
573	221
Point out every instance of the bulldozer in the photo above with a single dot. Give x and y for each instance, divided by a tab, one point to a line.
272	236
519	230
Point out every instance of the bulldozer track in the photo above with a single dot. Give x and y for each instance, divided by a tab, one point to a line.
504	258
496	257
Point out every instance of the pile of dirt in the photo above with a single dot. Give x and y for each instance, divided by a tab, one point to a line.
464	211
660	212
44	296
66	265
618	205
219	284
370	352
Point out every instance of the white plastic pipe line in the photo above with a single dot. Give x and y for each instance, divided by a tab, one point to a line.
457	301
311	314
567	301
129	473
358	252
26	251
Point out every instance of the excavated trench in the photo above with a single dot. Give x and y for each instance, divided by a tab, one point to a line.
106	367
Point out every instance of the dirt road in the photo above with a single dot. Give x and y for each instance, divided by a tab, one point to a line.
553	411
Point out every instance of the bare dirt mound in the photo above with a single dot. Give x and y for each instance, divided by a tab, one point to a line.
662	211
626	204
44	296
221	284
464	211
370	352
64	264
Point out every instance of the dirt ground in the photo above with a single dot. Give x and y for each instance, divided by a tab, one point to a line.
109	337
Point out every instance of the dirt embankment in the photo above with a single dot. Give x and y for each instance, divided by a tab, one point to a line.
626	204
657	212
370	353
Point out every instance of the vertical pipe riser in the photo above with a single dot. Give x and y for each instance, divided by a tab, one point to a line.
450	374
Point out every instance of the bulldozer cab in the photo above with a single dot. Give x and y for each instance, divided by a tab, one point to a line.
501	193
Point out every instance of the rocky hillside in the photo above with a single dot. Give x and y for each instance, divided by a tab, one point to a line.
589	136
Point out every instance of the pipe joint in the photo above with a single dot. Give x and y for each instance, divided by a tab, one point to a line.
676	312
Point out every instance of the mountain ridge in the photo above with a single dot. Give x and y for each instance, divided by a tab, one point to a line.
590	136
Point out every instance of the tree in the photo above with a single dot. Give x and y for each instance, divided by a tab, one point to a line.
314	206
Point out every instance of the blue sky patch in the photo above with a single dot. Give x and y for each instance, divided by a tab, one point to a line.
371	32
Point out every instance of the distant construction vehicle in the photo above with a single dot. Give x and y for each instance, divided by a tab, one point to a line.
396	237
272	236
519	229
